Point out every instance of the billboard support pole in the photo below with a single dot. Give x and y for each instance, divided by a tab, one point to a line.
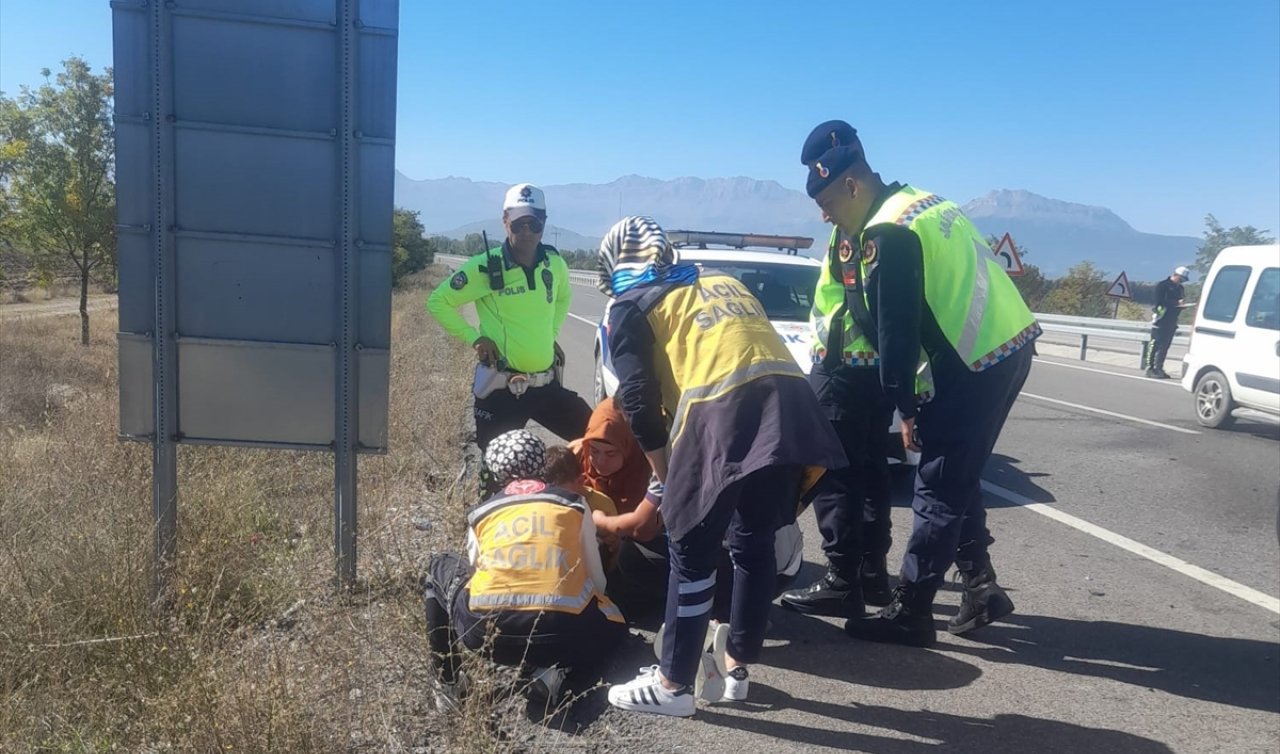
346	412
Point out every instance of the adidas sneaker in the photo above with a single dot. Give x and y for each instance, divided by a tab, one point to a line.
645	693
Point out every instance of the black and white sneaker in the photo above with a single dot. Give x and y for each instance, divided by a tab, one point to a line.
646	694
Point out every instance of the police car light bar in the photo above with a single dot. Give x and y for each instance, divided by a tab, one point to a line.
700	239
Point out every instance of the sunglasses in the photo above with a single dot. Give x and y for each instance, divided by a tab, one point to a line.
526	225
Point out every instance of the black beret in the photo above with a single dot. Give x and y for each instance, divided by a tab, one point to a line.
833	133
827	168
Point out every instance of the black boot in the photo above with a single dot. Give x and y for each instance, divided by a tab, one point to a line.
874	576
907	620
832	595
982	602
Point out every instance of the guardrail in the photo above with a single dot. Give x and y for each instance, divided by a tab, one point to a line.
1133	331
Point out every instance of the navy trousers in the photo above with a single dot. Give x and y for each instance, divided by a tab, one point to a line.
958	430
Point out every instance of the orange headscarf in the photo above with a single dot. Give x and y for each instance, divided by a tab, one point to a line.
627	487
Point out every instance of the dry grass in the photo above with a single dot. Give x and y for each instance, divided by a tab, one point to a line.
259	653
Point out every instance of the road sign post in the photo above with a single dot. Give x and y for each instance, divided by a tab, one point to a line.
1007	254
1119	290
254	198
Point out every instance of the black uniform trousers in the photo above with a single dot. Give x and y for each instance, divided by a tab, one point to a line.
1162	333
553	406
958	430
853	517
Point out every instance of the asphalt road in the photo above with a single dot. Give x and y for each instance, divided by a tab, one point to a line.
1140	549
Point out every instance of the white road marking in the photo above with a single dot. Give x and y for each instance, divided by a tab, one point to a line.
584	320
1169	383
1113	414
1235	589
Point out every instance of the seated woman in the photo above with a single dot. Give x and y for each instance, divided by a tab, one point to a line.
531	592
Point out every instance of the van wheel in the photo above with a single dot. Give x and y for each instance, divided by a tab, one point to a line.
1213	401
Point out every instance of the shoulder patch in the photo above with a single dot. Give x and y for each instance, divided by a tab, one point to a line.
846	250
458	281
870	252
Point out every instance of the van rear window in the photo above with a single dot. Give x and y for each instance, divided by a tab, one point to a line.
1224	297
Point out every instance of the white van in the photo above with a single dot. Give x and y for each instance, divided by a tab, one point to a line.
1233	363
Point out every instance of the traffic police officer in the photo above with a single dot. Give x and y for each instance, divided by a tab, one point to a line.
930	282
853	518
731	430
1170	298
521	294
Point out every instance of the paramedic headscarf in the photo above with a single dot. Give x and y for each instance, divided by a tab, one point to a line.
518	454
635	252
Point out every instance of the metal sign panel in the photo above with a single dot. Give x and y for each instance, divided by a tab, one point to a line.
255	153
276	151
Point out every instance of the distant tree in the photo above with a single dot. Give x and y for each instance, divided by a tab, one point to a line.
411	250
57	165
1217	238
1081	293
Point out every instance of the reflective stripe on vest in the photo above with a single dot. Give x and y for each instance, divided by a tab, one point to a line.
530	555
976	304
713	337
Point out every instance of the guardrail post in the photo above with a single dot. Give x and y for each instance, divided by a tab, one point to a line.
1084	346
1142	357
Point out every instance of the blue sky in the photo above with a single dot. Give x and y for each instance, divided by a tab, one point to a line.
1159	111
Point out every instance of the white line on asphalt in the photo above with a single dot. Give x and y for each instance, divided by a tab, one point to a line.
1113	414
583	320
1236	589
1169	383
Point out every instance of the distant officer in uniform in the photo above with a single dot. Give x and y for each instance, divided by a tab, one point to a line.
732	432
930	282
854	518
1170	298
521	294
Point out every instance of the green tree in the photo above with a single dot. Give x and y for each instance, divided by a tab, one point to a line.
410	249
57	164
1217	238
1081	293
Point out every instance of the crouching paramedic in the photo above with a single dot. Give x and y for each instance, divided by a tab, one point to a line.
698	350
531	592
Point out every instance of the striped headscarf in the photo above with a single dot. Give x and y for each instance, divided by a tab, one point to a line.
635	252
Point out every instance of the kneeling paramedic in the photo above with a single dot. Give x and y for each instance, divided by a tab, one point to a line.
531	592
730	428
521	294
929	281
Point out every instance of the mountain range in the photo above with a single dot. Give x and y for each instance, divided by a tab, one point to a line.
1057	234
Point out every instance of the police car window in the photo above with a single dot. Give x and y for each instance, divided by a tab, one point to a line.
1224	297
785	291
1264	307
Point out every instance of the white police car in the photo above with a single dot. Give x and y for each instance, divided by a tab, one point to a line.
782	280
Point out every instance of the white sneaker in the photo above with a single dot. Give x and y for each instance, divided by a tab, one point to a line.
709	685
736	683
646	694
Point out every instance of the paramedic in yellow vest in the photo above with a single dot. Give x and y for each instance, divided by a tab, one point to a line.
521	295
930	281
730	428
532	589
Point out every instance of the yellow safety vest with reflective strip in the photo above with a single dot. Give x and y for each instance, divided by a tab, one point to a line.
700	357
828	299
530	555
830	296
976	305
